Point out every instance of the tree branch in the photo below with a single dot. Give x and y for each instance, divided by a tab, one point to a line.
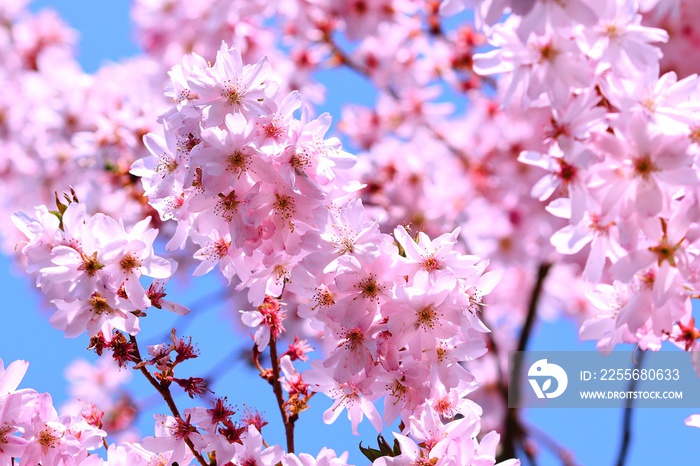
563	453
513	430
197	307
627	419
363	71
164	392
279	395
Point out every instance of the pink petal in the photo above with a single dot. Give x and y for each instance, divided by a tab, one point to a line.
12	376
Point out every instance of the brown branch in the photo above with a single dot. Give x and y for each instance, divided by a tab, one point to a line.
277	388
565	456
494	349
365	72
197	307
627	419
164	391
514	431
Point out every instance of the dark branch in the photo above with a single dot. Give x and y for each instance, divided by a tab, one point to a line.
627	419
279	395
196	308
565	456
513	434
164	392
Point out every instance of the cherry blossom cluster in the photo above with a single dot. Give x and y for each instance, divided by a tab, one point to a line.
31	429
598	96
71	128
262	194
240	174
90	268
102	387
620	152
679	19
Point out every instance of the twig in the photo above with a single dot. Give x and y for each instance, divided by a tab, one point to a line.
277	388
344	59
627	419
219	369
529	454
526	332
514	431
564	455
494	350
196	307
164	391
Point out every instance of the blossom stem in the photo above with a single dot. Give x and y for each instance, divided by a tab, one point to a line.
277	388
164	392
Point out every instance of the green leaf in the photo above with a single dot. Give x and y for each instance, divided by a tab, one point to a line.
384	446
371	453
397	447
384	449
59	216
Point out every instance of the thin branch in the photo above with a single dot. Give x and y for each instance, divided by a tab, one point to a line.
164	392
196	307
365	72
494	350
277	388
565	456
627	419
513	431
225	364
529	454
526	332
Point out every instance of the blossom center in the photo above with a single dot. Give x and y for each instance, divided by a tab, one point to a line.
695	134
5	429
189	142
426	317
284	206
48	438
324	298
612	30
281	273
354	338
227	205
369	287
567	172
431	264
548	52
166	166
232	94
300	160
218	249
237	162
129	262
182	429
90	264
644	167
397	389
273	130
99	304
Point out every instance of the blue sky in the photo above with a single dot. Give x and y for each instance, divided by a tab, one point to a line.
592	435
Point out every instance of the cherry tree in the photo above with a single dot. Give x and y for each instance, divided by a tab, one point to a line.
399	269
